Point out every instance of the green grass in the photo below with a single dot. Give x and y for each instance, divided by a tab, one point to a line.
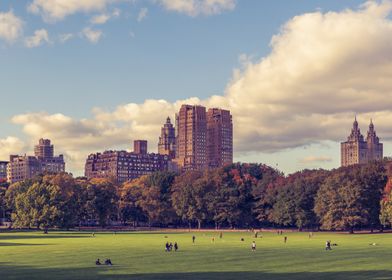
62	255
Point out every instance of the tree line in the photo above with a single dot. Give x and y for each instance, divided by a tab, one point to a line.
235	196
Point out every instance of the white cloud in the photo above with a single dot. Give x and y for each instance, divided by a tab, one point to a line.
40	36
92	35
54	10
11	27
315	159
10	145
142	14
198	7
323	67
103	18
100	19
65	37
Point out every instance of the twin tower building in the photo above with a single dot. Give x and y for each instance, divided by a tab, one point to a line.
357	150
199	140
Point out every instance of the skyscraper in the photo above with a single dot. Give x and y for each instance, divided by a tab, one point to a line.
167	140
374	147
191	148
357	151
220	137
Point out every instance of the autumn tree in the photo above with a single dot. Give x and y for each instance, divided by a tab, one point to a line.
102	200
130	194
155	198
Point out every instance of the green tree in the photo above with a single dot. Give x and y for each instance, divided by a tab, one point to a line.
155	198
191	194
102	200
39	206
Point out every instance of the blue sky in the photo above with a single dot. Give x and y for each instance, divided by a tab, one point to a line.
169	54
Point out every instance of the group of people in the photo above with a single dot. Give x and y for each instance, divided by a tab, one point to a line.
169	247
107	262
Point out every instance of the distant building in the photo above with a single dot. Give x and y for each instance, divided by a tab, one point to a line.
167	140
203	139
3	170
191	147
357	151
219	137
44	149
123	166
26	167
140	147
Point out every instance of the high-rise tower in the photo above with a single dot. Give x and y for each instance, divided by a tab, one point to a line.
374	147
191	144
220	137
167	140
356	150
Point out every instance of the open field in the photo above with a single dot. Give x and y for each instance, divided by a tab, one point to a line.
63	255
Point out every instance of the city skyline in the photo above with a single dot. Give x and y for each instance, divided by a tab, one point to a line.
98	77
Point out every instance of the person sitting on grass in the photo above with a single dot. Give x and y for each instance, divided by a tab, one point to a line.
108	262
328	245
97	262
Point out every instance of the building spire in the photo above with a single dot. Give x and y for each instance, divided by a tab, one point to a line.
355	124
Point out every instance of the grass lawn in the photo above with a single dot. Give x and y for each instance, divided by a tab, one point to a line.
63	255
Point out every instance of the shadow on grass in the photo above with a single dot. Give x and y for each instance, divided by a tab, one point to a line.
9	271
43	236
20	244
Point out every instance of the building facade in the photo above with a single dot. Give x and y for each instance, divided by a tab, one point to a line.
25	167
140	147
203	139
167	140
123	166
358	151
219	137
191	147
44	149
3	170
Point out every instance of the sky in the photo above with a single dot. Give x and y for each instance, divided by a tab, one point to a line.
93	75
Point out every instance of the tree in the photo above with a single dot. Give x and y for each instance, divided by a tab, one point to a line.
130	193
102	200
39	206
191	194
72	195
350	197
233	202
3	205
155	198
